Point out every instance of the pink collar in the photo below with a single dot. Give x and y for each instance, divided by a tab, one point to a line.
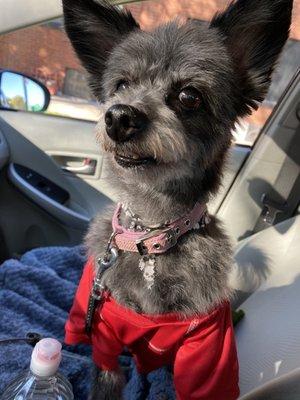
156	240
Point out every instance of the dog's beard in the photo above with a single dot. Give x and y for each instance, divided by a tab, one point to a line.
148	172
144	163
157	153
128	156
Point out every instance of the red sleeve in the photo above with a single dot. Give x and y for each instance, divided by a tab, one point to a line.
206	365
75	325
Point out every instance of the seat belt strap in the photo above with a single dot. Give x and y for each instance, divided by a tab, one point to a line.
283	198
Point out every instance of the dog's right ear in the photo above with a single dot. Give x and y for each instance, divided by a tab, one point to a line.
94	28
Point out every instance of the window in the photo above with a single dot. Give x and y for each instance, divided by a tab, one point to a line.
249	128
45	53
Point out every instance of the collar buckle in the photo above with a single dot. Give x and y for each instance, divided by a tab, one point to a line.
171	240
172	236
142	249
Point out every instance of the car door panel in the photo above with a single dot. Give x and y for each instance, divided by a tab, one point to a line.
40	221
4	151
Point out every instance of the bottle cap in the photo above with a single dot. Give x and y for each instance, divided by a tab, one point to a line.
46	357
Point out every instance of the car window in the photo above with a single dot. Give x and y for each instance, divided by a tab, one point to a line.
45	53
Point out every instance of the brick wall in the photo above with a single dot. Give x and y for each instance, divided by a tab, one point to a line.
151	13
39	51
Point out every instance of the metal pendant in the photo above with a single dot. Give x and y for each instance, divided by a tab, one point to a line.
205	220
147	265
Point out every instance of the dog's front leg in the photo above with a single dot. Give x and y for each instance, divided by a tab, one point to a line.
107	385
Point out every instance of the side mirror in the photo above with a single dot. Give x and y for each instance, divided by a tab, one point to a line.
21	92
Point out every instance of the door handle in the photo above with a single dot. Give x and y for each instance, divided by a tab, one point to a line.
83	169
81	165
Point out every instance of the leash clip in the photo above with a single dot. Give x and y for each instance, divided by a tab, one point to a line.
103	264
96	295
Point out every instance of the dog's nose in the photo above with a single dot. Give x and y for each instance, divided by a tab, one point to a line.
123	121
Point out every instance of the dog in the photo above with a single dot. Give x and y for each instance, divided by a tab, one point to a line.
169	100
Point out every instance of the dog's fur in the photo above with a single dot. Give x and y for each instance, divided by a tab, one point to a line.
229	62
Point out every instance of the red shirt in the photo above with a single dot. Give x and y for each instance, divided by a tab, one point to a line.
202	349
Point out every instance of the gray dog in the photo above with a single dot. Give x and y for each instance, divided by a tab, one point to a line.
169	101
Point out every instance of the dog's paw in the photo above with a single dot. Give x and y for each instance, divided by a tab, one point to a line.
107	385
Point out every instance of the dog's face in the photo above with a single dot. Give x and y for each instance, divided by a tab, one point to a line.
170	98
166	102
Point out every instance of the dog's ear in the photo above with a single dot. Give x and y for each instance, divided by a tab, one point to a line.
254	32
94	28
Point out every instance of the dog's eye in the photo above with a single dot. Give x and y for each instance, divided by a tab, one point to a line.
190	98
122	85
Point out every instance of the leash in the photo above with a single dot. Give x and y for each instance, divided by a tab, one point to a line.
97	293
31	338
150	241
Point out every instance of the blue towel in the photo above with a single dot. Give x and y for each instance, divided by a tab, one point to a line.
36	294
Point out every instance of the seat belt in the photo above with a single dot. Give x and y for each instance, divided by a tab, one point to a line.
282	200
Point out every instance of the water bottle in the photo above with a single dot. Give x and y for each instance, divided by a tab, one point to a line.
42	381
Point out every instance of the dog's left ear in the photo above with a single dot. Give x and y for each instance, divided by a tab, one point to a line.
254	32
94	28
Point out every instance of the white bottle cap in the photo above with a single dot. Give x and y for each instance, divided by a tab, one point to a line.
46	357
